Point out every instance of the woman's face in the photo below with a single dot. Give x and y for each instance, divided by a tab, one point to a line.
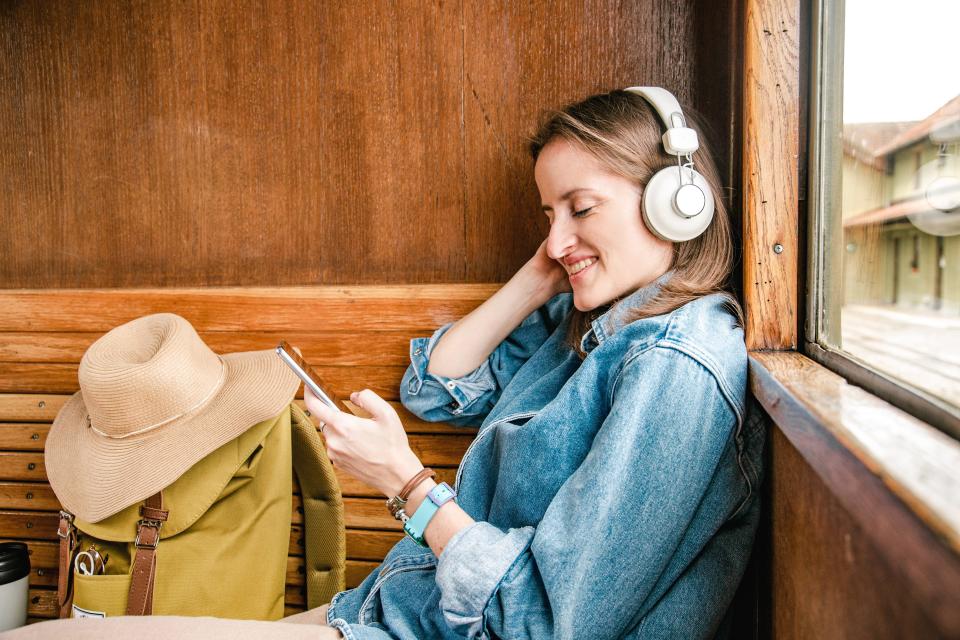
597	231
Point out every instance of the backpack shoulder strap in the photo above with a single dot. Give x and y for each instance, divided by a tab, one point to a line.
152	517
324	538
67	533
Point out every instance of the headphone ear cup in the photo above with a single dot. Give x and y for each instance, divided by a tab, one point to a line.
661	210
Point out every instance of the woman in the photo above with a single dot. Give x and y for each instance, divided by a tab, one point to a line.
610	491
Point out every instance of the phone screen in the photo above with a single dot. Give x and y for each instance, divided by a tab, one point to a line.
306	373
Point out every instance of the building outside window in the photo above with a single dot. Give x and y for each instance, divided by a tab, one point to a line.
887	167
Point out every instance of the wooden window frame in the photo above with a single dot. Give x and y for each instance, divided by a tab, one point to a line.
881	486
824	268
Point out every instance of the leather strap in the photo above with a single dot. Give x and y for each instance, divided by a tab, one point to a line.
425	473
152	516
68	544
396	503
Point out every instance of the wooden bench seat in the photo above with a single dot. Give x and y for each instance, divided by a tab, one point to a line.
356	337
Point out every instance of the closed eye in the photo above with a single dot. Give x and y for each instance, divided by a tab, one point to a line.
582	212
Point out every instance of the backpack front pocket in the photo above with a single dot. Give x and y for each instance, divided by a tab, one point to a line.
99	596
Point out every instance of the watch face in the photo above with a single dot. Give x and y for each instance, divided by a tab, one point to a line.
441	493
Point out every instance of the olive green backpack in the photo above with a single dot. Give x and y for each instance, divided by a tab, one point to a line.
224	534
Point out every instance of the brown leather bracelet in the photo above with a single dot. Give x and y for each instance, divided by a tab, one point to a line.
396	503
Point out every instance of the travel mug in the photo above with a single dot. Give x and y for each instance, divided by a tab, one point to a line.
14	575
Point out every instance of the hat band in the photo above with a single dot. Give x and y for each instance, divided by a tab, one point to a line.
216	388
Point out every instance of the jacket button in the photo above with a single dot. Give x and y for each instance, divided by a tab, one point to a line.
450	385
418	352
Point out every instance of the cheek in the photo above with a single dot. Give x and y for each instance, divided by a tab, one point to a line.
623	250
635	240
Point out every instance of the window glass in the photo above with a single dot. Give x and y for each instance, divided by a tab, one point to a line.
893	166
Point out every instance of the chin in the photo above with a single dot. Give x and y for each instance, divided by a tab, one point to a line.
586	302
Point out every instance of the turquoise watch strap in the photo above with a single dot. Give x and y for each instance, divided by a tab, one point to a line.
417	524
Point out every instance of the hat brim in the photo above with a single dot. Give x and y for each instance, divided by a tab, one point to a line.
95	476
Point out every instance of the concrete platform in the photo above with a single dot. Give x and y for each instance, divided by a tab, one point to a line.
921	348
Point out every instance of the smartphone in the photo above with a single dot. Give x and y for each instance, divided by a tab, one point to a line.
306	373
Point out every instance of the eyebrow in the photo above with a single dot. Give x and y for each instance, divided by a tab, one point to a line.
567	196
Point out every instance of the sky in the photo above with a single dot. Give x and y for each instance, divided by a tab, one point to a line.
901	58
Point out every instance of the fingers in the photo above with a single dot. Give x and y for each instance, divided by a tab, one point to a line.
323	413
315	406
373	404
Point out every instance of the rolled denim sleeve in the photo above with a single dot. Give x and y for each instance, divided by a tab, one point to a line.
466	400
358	631
598	560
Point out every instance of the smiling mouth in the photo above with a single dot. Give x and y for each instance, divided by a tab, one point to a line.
579	267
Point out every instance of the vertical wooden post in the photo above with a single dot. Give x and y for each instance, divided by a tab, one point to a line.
770	155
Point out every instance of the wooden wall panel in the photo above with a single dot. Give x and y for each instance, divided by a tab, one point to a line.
827	580
522	58
229	143
862	534
212	143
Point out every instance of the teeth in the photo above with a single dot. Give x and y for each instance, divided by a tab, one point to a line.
580	266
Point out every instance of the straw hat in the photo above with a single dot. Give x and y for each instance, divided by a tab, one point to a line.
153	401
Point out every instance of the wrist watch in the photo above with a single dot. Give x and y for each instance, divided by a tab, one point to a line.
417	523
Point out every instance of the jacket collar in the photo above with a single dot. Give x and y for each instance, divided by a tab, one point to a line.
616	315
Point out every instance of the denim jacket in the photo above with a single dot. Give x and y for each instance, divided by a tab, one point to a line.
614	496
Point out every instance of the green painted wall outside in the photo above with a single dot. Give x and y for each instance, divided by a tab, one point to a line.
864	187
895	262
904	183
951	275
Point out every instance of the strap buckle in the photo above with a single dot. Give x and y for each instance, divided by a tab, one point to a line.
152	524
66	529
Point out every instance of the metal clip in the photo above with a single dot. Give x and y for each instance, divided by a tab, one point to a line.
154	524
64	515
67	531
688	165
394	504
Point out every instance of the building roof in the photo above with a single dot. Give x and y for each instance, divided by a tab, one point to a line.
861	140
945	116
921	212
872	136
888	213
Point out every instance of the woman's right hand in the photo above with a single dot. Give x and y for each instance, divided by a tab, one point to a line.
472	338
550	273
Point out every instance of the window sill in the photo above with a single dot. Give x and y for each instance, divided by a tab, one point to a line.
916	462
897	476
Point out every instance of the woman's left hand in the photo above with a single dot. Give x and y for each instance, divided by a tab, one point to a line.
374	450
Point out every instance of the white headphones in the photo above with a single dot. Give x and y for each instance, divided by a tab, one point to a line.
677	202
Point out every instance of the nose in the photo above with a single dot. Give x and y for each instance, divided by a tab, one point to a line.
561	240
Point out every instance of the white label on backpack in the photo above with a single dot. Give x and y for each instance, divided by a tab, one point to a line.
83	613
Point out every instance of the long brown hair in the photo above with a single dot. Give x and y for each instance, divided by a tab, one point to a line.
623	132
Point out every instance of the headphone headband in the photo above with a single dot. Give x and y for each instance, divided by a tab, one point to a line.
679	139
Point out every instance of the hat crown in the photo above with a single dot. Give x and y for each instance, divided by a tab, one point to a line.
146	373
